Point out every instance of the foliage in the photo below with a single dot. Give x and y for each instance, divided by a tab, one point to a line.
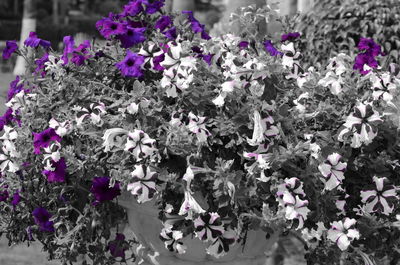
225	135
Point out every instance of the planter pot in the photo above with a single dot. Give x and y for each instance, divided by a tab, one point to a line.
144	223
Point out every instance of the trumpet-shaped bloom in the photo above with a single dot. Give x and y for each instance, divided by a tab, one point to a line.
197	125
102	191
342	233
172	240
208	226
190	206
34	42
59	172
143	184
11	47
333	171
132	36
140	145
131	65
290	36
118	246
269	47
381	199
42	219
44	139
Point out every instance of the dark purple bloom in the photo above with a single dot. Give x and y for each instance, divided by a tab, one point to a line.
290	36
156	62
69	44
132	37
108	27
118	246
364	59
58	175
33	41
131	65
243	45
41	64
171	33
42	217
102	191
199	54
196	26
133	8
369	46
208	57
269	47
163	23
154	6
16	199
3	194
44	139
11	47
15	87
81	53
6	118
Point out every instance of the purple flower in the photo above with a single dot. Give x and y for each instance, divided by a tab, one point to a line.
369	46
15	87
196	26
3	194
41	64
69	44
58	175
6	118
16	199
102	191
41	217
290	36
365	59
80	54
156	62
118	246
243	45
171	33
153	7
132	36
44	139
108	27
206	57
131	65
163	23
133	8
33	41
269	47
11	47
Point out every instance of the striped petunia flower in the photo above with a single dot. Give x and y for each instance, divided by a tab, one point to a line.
333	171
361	124
208	226
190	206
143	183
342	233
141	145
382	86
93	112
381	199
172	240
220	246
197	125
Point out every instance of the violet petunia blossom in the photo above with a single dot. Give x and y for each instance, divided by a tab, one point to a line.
131	37
163	22
171	33
369	46
34	42
11	47
6	118
118	246
16	199
69	44
81	53
15	87
153	6
196	26
108	27
133	8
102	191
44	139
42	219
131	65
41	64
381	199
243	45
290	36
59	172
269	47
364	62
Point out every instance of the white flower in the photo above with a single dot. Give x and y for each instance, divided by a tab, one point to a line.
62	128
382	86
197	126
110	138
296	209
172	239
301	108
361	124
133	108
380	200
333	171
190	206
342	234
263	128
333	81
141	145
94	113
188	176
144	185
